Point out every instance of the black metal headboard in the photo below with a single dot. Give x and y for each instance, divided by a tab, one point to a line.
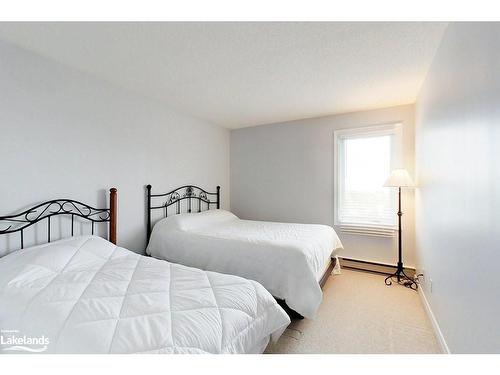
186	192
19	222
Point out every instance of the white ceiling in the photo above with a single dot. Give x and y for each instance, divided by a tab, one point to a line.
244	74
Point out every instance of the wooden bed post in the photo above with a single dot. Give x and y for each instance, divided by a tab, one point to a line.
218	197
148	222
112	215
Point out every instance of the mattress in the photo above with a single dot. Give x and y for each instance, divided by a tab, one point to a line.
86	295
285	258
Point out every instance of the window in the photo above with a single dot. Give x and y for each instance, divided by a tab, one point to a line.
364	158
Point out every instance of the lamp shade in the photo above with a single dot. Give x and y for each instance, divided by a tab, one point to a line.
399	178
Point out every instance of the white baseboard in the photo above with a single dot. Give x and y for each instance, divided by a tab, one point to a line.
435	325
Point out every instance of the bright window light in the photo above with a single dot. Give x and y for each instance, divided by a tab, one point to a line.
364	160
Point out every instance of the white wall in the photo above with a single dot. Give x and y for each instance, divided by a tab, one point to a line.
65	134
284	172
458	200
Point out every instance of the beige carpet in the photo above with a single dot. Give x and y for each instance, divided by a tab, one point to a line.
360	314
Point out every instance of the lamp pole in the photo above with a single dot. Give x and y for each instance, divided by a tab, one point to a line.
400	274
400	242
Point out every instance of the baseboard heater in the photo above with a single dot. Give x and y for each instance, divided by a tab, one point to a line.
381	268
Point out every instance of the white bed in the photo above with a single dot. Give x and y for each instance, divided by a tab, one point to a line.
86	295
287	259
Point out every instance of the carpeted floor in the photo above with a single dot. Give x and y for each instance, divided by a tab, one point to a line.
360	314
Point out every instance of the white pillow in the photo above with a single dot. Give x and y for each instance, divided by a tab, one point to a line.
195	220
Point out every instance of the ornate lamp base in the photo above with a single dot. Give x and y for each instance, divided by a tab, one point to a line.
401	278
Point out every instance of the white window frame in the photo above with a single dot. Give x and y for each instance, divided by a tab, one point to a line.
394	129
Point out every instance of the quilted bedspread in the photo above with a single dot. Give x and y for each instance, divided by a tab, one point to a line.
86	295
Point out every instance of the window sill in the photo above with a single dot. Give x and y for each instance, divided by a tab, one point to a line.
366	230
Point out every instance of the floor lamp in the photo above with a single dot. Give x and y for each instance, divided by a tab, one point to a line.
400	178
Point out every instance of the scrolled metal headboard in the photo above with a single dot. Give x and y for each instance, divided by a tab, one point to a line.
20	221
174	197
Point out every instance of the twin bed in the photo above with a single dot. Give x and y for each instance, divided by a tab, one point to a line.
84	294
292	261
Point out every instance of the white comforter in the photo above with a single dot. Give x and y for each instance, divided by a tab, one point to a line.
86	295
285	258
